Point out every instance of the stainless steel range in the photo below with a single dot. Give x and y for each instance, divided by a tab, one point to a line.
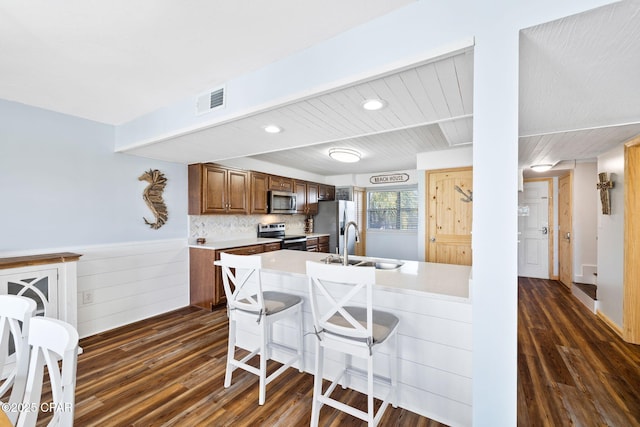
277	230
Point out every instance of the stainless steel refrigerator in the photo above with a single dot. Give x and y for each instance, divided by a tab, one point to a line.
332	217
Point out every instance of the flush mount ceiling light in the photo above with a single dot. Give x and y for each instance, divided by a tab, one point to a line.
541	168
345	155
374	104
272	129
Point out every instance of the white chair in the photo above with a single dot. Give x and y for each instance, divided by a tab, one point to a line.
246	299
51	341
15	316
354	330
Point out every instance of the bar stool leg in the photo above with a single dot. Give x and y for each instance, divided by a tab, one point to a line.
230	352
317	385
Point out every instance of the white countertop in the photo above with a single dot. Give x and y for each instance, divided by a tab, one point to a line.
440	280
216	244
233	243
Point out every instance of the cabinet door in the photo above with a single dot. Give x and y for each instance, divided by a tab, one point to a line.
326	192
301	197
312	198
269	247
258	193
214	189
202	277
312	244
280	183
237	192
41	286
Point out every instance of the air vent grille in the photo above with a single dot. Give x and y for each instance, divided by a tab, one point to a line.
217	98
210	100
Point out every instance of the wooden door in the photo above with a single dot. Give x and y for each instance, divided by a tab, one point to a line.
237	192
449	216
360	200
258	193
565	231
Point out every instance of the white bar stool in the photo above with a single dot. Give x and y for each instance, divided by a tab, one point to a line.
247	299
353	330
14	353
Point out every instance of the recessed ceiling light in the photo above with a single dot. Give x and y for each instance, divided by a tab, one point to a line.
374	104
541	168
345	155
272	129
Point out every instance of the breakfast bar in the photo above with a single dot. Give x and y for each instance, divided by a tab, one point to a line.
434	339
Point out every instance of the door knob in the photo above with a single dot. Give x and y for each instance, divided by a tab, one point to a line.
545	230
433	239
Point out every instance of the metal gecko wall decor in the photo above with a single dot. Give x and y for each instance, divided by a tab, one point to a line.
468	198
152	195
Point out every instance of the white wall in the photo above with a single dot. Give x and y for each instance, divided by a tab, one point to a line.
585	201
62	185
63	188
611	239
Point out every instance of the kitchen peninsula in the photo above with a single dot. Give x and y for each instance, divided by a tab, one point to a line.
434	339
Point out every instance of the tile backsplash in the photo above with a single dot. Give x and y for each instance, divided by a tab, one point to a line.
227	227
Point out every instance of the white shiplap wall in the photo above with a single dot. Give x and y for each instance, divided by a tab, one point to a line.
130	282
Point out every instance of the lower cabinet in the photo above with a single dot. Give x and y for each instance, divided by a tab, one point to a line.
323	244
318	244
205	279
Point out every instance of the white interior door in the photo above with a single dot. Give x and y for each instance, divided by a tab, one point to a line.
533	230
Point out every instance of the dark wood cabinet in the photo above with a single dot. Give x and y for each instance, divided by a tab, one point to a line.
301	197
270	247
312	244
323	244
206	289
326	192
312	198
217	190
306	197
280	183
258	193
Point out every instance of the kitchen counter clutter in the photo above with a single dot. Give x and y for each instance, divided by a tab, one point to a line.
434	336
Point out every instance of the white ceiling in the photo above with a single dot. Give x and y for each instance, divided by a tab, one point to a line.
113	61
579	89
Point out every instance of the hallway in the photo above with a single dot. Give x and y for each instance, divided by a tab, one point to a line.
572	369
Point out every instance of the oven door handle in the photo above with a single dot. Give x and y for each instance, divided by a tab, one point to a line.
302	239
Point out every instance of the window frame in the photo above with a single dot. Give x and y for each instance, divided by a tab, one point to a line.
396	189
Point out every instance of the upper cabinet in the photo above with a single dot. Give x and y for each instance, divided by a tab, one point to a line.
217	190
306	197
258	193
326	192
280	183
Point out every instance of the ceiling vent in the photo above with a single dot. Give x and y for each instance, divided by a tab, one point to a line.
210	101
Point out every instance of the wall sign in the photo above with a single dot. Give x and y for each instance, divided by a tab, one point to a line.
389	178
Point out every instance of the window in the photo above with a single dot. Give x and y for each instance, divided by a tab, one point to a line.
393	209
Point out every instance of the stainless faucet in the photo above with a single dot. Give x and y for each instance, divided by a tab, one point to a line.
346	240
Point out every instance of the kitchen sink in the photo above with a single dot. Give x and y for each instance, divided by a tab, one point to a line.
364	262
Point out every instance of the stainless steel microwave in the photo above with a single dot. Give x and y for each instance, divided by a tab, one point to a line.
282	202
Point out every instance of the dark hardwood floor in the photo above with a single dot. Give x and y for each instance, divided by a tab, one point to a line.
572	368
169	370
